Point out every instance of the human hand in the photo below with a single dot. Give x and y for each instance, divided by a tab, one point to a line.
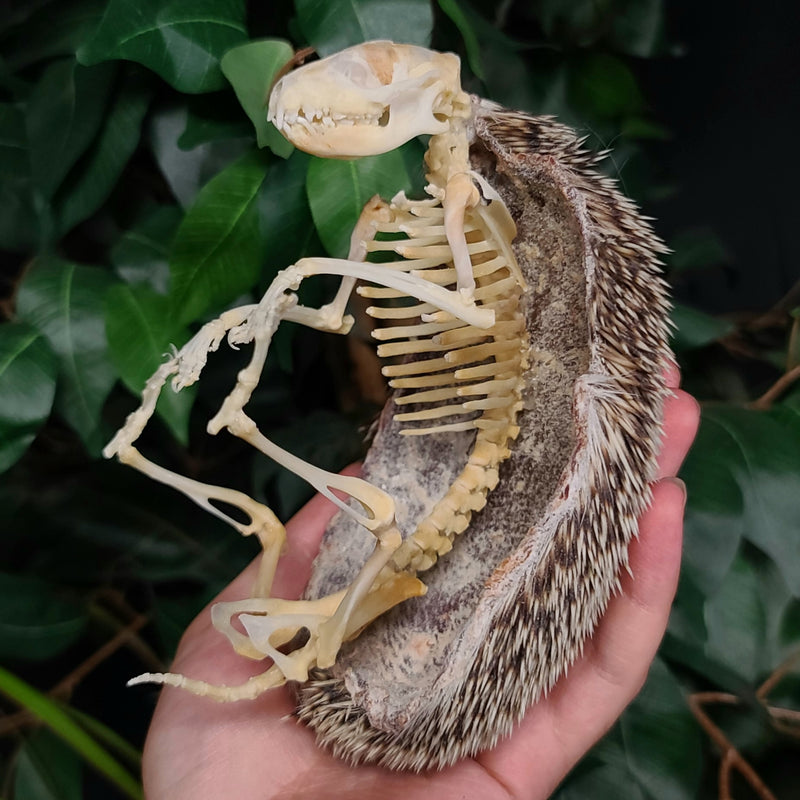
203	750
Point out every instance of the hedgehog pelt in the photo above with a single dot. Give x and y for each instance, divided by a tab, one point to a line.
511	514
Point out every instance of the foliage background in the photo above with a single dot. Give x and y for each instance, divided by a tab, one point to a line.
138	200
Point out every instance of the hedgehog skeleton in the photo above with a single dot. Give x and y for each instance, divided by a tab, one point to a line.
481	337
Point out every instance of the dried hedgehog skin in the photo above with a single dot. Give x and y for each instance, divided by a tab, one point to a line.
509	609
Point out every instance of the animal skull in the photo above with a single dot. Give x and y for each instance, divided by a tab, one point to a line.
368	99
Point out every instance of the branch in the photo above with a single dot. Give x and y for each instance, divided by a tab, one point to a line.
764	403
731	757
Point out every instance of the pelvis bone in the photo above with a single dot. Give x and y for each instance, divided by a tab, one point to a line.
522	318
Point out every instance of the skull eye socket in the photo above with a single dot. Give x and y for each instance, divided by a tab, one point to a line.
359	73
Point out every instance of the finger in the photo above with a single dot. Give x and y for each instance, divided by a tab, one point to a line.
589	698
681	418
672	375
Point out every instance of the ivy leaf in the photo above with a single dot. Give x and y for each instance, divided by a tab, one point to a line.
338	191
181	40
28	369
736	620
140	333
36	623
759	452
65	302
71	100
662	742
332	25
218	252
251	69
99	170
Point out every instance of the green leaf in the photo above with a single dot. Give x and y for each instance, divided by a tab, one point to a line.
338	191
54	716
142	252
103	734
28	369
332	25
181	40
99	171
695	328
186	171
140	333
697	248
714	522
638	27
71	100
217	253
663	744
603	86
284	214
47	769
65	302
468	34
759	452
736	621
211	122
56	29
251	69
19	226
600	783
36	622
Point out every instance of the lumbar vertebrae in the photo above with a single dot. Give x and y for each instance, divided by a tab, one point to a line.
522	319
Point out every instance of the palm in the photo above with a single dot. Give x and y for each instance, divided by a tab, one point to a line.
200	749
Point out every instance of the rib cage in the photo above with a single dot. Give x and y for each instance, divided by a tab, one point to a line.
450	370
539	606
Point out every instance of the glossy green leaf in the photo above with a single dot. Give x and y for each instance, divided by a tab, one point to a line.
217	253
36	622
56	29
602	782
65	302
284	214
99	171
140	333
47	769
697	248
142	252
605	87
252	69
338	191
19	229
638	27
468	34
181	40
213	122
663	743
54	716
28	369
70	99
736	621
695	328
332	25
758	451
185	171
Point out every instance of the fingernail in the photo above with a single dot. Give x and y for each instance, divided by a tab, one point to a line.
677	482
